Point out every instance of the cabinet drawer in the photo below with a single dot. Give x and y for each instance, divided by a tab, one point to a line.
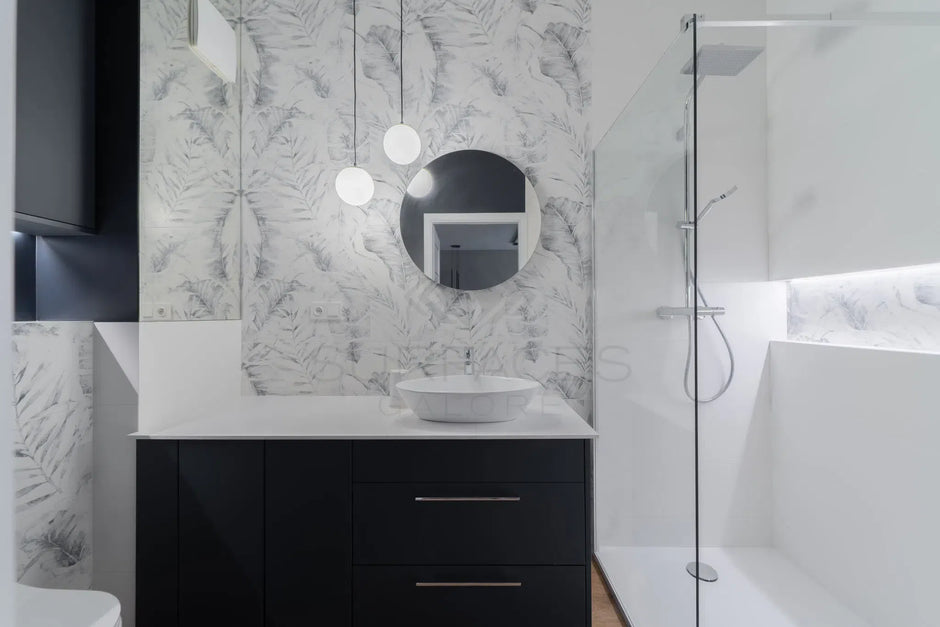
469	596
467	523
517	461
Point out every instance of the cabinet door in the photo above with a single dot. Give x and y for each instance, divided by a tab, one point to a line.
157	533
221	533
308	538
55	117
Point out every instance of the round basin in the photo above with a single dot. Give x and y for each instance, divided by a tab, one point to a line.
468	398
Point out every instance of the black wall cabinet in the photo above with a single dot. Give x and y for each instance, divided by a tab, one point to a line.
416	534
77	156
55	116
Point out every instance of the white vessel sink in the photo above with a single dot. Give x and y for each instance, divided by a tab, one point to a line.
468	398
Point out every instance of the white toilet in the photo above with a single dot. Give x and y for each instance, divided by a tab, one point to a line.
41	607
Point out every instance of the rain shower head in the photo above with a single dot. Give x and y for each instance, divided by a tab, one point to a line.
722	60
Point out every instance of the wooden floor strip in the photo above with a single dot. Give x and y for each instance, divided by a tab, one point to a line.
603	608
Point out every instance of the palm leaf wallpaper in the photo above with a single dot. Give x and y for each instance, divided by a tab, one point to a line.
507	76
189	172
52	379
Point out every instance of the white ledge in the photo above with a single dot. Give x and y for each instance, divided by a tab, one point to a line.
861	347
364	418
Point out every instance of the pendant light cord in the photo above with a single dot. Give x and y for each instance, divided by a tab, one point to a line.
401	56
355	95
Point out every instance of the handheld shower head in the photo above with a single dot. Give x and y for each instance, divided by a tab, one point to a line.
715	201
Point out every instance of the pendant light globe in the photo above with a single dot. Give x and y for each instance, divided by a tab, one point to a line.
402	144
355	186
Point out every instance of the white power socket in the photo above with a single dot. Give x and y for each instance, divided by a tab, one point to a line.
156	311
326	310
162	311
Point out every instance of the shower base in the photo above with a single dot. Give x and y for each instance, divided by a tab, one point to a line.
756	586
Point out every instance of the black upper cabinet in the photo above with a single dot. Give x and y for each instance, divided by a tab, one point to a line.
55	117
77	156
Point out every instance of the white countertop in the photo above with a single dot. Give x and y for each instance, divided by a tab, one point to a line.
364	418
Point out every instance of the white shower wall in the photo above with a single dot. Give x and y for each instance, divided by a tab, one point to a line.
853	137
854	460
853	188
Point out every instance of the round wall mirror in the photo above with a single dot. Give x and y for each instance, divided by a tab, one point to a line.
470	220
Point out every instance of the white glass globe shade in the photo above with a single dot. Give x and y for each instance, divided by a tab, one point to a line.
421	185
402	144
355	186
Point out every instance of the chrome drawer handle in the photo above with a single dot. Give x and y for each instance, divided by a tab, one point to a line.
467	499
468	584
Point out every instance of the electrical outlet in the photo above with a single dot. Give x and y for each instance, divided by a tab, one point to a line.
162	311
326	310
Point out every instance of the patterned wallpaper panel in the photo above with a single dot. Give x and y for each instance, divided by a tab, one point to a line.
189	172
507	76
52	379
889	309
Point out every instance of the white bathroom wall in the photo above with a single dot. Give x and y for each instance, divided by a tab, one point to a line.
114	466
734	430
852	143
843	7
855	433
186	367
7	124
52	450
852	152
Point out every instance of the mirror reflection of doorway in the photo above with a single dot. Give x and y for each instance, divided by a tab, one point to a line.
473	251
470	220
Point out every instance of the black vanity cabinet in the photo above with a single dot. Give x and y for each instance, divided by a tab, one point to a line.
243	533
365	533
